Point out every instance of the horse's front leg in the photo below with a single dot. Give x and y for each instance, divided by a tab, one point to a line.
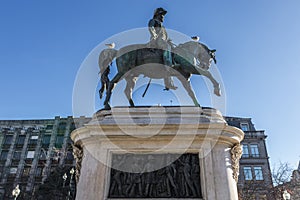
216	85
129	87
187	85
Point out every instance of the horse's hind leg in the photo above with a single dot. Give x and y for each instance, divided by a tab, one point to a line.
104	81
104	85
129	87
187	85
111	86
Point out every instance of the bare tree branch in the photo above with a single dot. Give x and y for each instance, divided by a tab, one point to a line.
281	174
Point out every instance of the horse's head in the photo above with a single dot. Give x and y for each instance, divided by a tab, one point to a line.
205	56
202	54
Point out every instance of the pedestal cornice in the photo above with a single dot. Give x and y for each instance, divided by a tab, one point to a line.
141	122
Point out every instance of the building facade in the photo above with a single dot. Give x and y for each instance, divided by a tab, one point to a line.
31	150
294	184
255	178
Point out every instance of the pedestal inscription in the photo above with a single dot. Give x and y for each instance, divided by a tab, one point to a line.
137	176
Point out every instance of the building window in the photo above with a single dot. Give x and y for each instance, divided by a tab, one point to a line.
38	172
72	127
62	128
245	151
247	173
17	155
59	141
26	171
30	154
8	139
3	155
46	139
258	173
34	137
21	139
49	127
13	170
245	126
254	150
33	140
43	155
1	172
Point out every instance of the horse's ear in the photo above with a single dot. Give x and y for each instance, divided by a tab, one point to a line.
213	51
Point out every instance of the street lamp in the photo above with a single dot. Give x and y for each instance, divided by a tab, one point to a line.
72	171
16	191
65	178
286	195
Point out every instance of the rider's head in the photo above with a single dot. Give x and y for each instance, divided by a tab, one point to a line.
159	13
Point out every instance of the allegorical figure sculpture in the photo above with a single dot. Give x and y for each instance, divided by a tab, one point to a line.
135	180
116	182
159	39
177	179
149	177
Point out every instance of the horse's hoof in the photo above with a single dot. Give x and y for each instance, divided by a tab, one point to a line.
107	107
171	87
217	91
131	103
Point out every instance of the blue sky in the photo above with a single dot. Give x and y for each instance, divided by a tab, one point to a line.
43	43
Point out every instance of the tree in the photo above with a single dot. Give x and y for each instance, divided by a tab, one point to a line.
281	176
281	173
285	178
57	186
253	189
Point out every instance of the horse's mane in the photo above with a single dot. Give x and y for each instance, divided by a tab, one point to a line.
205	47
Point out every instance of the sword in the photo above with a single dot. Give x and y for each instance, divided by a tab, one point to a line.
147	87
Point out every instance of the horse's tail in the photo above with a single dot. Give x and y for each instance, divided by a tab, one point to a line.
105	60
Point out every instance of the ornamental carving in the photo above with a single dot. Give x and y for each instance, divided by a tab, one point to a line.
236	153
78	155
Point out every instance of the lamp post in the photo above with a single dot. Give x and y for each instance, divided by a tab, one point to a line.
286	195
16	191
72	171
65	178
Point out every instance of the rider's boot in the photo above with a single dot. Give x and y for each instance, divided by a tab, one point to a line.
169	83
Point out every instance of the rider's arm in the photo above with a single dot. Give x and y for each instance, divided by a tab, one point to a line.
151	27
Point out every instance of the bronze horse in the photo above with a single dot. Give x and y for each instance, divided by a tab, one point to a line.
133	60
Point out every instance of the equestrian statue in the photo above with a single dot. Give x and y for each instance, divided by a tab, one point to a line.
158	59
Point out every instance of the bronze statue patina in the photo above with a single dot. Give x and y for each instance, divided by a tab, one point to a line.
178	178
153	60
159	40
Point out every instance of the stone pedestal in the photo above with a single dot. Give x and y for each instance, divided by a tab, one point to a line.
158	130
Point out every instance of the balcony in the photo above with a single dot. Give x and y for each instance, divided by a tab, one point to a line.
255	134
251	156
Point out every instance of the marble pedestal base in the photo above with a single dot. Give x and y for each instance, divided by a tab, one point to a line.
158	130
